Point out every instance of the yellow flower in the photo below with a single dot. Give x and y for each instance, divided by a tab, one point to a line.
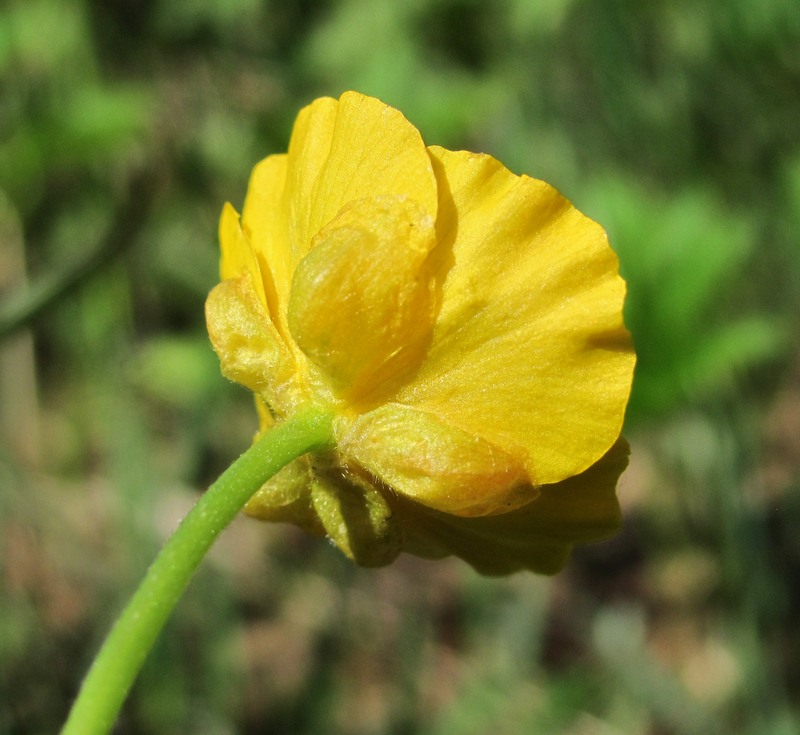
463	323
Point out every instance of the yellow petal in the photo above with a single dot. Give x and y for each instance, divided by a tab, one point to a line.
357	519
433	463
362	306
265	418
237	256
340	151
529	350
264	221
539	536
249	348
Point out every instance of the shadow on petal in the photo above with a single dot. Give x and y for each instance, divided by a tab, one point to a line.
538	537
357	519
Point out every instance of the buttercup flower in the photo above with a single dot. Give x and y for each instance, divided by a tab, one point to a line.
463	323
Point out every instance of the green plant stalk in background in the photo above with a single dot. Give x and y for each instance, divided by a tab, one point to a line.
124	651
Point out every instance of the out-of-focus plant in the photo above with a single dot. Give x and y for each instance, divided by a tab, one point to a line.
696	329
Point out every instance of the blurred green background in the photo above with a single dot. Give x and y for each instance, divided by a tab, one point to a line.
124	126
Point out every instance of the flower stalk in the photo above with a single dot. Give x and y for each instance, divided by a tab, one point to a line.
114	669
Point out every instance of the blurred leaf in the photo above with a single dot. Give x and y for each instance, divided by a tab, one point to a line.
44	36
733	348
684	258
181	371
193	15
96	120
407	64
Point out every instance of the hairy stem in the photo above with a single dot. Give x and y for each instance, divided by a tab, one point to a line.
116	666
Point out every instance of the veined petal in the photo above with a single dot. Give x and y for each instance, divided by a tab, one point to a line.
529	350
266	228
433	463
341	151
362	303
237	256
539	536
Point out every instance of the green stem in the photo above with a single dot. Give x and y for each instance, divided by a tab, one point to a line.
124	651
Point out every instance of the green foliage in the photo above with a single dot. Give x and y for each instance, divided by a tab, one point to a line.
685	259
